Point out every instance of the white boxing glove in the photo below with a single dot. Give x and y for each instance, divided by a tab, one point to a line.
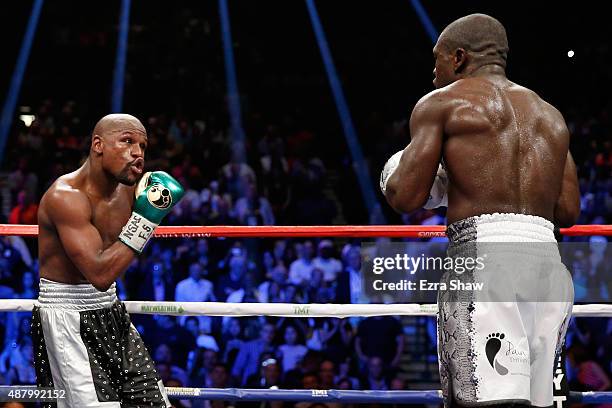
388	170
438	196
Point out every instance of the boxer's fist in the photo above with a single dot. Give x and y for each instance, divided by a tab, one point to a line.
156	193
438	195
388	170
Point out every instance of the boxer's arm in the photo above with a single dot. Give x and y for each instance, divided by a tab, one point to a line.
408	187
567	209
70	212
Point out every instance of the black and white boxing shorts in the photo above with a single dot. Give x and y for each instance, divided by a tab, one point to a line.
85	344
498	344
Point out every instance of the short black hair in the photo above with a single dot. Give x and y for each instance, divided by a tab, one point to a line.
482	35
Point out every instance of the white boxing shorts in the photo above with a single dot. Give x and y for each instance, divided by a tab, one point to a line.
85	344
498	343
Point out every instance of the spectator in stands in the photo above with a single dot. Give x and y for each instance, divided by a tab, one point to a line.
326	262
233	280
156	285
176	337
380	336
327	373
374	376
350	282
292	350
247	361
237	175
199	367
196	289
163	354
29	288
270	290
26	210
344	374
21	362
220	378
300	270
231	340
269	375
22	178
253	209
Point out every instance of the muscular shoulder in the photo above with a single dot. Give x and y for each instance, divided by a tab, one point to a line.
433	106
548	116
553	117
62	201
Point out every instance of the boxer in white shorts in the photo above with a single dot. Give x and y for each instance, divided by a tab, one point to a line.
483	145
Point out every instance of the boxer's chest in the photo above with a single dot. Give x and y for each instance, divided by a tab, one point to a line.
110	216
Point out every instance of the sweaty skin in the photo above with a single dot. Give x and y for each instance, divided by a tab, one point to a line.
505	149
82	213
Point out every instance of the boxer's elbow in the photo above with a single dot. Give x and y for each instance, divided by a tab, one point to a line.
102	284
405	201
567	211
567	216
100	280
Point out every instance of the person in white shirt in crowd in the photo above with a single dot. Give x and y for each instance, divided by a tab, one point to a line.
330	266
300	270
195	289
270	290
293	349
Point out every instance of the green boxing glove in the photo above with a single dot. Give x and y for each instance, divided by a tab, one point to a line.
156	193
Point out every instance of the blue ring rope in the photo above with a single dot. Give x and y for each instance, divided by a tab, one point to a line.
348	396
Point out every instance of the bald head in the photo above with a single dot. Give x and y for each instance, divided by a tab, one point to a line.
116	122
482	36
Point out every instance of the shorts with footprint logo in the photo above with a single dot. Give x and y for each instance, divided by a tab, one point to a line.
501	351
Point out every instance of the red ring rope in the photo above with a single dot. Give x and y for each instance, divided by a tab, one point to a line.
347	231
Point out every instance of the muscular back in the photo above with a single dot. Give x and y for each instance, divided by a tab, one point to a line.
68	214
504	147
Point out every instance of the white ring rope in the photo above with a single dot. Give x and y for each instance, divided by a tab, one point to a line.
288	309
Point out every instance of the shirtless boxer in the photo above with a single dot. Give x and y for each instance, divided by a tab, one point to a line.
498	156
92	223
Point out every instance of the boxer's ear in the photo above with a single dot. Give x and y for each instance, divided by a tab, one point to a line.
459	59
97	143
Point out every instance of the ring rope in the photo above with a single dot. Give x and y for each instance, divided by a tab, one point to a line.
346	231
347	396
287	309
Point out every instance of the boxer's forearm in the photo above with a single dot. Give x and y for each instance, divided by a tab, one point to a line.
108	265
407	188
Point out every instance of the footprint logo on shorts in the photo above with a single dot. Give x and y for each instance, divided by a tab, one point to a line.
492	348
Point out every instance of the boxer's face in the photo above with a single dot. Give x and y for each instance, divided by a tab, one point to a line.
443	66
450	62
122	149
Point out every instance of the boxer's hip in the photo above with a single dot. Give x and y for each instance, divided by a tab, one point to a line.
74	297
501	227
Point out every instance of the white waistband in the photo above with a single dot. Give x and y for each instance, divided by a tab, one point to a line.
510	227
68	296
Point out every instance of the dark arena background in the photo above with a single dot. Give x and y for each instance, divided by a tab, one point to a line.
282	113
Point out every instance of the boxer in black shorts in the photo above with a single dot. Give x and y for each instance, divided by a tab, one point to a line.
92	223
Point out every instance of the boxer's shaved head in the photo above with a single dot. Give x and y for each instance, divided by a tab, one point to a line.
117	122
483	36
